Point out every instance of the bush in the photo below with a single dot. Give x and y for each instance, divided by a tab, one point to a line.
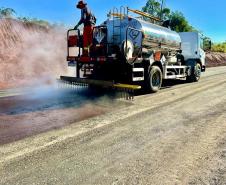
35	21
10	13
219	47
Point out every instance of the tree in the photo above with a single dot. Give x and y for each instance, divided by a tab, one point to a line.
166	13
179	23
177	20
7	12
154	7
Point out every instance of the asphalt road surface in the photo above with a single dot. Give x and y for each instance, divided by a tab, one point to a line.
177	136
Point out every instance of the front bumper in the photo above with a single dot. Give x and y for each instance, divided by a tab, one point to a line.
203	68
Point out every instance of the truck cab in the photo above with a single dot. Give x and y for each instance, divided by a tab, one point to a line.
192	46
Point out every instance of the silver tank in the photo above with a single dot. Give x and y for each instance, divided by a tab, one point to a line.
142	33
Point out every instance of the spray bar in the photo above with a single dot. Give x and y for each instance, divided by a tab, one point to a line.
127	88
100	83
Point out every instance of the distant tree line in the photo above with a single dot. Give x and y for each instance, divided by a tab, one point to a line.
7	12
11	14
219	47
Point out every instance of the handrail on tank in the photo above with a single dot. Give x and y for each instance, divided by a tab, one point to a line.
79	52
130	28
119	14
144	14
123	10
115	11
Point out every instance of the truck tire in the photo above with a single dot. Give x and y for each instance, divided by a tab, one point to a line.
195	73
154	81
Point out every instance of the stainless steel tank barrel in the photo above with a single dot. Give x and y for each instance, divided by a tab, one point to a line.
141	33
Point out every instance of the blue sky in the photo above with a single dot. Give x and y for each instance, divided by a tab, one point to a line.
206	15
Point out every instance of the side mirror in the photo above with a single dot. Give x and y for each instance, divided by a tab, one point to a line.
210	45
207	44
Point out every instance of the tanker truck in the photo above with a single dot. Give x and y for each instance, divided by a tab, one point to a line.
132	53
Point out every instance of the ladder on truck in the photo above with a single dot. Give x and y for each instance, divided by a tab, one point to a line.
117	17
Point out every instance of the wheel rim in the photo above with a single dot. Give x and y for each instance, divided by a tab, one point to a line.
156	79
198	71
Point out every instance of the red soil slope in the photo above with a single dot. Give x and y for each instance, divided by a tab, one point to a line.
30	53
215	59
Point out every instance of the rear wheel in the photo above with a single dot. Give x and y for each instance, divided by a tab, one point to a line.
154	81
195	73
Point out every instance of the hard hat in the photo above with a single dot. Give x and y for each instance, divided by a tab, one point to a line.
81	4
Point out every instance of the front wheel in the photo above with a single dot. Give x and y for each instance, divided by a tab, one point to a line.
195	74
154	81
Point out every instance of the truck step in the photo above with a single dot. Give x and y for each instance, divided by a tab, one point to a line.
138	69
175	76
138	79
176	67
138	74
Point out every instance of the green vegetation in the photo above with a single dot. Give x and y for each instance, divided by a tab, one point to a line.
219	47
36	21
177	20
7	12
153	7
10	13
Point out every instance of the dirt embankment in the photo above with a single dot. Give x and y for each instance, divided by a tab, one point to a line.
214	59
30	53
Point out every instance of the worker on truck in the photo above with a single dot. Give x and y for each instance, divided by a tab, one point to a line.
89	21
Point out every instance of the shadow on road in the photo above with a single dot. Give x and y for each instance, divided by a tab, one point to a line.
167	84
41	99
171	83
